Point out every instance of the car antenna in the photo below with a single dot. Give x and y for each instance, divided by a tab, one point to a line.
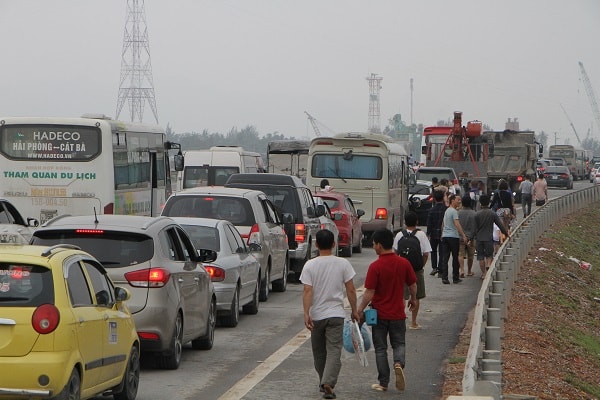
95	217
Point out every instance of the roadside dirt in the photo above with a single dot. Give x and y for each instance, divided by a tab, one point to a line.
551	347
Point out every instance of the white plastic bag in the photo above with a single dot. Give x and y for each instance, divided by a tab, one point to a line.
354	342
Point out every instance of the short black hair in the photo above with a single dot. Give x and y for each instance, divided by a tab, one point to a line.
466	201
484	200
410	218
384	237
325	239
324	182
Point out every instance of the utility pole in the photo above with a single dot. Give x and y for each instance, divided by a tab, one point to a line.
411	101
374	114
136	86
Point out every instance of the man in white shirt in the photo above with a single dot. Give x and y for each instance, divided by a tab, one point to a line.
324	279
410	220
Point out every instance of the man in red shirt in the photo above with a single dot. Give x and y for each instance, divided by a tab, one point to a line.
384	289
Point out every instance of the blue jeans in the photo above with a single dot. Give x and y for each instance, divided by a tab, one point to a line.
326	340
396	330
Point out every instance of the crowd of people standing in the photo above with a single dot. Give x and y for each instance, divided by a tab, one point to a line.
458	227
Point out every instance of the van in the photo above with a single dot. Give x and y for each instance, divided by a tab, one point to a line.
294	203
212	167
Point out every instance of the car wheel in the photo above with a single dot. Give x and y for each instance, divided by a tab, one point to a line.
346	251
280	285
252	307
131	379
358	249
264	284
231	320
172	359
207	341
72	390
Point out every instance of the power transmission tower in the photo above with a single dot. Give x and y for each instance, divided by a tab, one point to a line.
136	85
590	93
374	115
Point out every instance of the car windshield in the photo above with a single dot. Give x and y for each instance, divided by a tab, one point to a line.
203	237
331	202
25	285
113	249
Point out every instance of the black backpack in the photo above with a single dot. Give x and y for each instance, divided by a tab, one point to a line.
409	247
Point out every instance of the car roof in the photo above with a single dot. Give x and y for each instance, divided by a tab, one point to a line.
208	222
338	195
557	168
36	254
217	190
130	223
264	178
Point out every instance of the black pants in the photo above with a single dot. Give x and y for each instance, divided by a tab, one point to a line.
451	246
526	204
436	246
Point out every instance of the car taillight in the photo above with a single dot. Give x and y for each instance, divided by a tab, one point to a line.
89	231
519	178
254	235
300	232
381	213
429	198
150	278
216	274
455	181
45	318
564	176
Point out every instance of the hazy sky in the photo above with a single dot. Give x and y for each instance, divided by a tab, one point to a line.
231	63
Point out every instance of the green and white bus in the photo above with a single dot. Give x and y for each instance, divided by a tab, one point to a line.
79	166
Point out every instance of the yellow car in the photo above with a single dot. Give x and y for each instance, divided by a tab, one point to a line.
65	331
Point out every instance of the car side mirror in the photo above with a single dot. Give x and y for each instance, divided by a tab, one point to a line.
360	212
122	294
320	210
255	247
206	255
287	218
33	222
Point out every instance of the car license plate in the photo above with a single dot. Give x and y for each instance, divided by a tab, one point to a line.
554	177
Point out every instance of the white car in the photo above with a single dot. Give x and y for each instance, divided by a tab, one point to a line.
255	218
13	227
235	272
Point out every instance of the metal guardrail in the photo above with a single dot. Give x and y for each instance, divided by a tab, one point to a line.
483	366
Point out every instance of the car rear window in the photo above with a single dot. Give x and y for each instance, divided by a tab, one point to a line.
236	210
112	248
426	175
420	189
203	237
284	198
25	285
557	169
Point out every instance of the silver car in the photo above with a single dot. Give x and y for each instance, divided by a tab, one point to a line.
235	273
173	300
254	217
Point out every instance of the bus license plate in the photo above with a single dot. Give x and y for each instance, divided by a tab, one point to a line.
47	215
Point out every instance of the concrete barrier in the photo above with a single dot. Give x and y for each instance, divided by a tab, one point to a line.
482	378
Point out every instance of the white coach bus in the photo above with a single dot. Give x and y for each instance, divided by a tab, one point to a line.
78	166
371	168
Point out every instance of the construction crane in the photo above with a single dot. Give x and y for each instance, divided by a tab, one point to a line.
571	123
313	121
590	93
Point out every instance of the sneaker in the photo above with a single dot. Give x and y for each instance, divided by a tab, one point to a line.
433	272
378	387
457	281
445	281
400	383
